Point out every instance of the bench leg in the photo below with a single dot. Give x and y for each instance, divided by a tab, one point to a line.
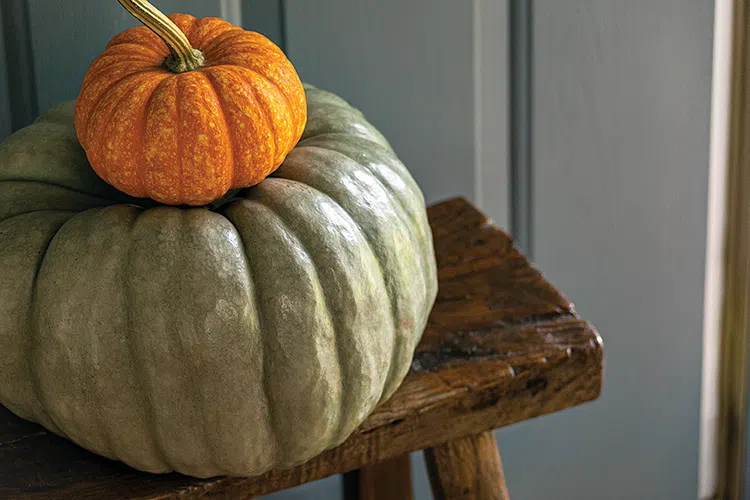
388	480
467	468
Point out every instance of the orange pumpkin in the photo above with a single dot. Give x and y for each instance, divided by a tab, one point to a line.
182	110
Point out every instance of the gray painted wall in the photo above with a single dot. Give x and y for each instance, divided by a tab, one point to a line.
266	17
408	66
621	152
431	74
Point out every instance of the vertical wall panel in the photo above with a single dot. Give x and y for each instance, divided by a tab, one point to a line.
621	153
521	81
5	122
67	36
492	113
409	67
231	11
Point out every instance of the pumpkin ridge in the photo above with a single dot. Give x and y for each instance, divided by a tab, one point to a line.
212	47
178	140
189	29
298	114
206	75
208	27
152	170
104	63
136	359
323	103
143	179
414	225
133	52
300	123
345	414
30	408
99	120
84	119
272	126
343	105
140	35
20	397
209	49
124	135
131	65
251	95
113	51
350	123
33	336
273	423
335	327
106	91
105	70
203	177
208	445
79	428
283	452
248	50
418	222
413	188
95	111
107	239
322	98
394	302
104	430
417	217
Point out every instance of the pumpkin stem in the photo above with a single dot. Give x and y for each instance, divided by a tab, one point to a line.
183	57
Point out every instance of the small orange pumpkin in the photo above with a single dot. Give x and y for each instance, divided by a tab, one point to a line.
182	110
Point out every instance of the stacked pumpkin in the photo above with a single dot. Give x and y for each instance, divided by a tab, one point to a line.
193	313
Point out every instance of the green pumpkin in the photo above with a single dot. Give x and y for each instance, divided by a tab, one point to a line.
232	339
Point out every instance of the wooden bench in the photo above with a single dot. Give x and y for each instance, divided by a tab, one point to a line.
502	346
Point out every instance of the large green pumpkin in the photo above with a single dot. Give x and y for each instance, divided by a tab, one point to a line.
231	339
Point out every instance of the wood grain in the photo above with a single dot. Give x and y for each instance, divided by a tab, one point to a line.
387	480
502	346
467	469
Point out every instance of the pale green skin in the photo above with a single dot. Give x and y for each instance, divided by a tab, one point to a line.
211	342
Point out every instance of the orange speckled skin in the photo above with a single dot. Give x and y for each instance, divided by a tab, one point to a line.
189	138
